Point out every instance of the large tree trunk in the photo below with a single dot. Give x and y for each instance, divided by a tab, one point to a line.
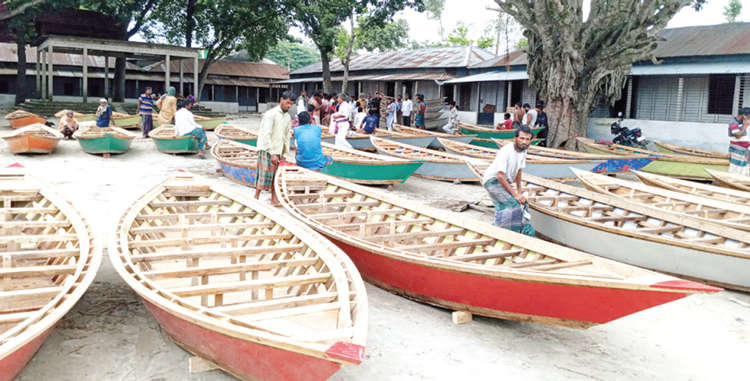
324	56
204	74
566	121
118	86
190	24
21	91
347	59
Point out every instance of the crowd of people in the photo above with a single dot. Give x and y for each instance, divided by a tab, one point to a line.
530	117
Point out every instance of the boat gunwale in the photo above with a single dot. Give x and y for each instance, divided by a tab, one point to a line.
621	150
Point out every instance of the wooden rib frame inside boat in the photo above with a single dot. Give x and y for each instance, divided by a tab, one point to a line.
514	258
244	230
730	180
696	188
49	278
433	160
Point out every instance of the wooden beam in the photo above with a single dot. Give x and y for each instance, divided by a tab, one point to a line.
275	304
227	287
229	269
218	252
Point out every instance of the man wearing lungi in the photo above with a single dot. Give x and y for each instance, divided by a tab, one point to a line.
273	144
739	143
508	165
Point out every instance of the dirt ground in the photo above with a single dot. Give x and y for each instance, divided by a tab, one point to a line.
109	335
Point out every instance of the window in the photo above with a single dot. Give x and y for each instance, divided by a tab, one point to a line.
721	94
68	88
4	87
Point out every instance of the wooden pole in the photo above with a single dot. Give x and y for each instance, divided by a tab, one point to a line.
166	74
85	87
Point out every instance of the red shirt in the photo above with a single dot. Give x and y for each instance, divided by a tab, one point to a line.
507	124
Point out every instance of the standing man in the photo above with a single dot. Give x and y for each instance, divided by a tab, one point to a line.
273	144
302	102
146	108
406	111
390	115
529	118
315	101
399	106
167	105
542	122
739	143
452	125
518	114
339	126
421	112
510	204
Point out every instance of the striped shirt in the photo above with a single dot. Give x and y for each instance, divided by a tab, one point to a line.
147	105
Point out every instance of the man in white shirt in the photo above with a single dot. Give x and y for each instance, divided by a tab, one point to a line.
273	145
406	111
184	125
302	102
510	204
359	117
529	119
452	125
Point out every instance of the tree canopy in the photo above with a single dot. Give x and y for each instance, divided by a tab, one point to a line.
292	55
732	11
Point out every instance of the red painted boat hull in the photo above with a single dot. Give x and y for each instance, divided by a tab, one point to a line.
12	365
31	143
546	303
27	121
243	359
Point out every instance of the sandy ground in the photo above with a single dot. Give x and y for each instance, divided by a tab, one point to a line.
109	335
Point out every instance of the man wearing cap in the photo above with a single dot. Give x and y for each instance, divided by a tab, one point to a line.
739	143
103	113
68	124
529	118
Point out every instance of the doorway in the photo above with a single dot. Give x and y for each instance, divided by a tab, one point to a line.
464	97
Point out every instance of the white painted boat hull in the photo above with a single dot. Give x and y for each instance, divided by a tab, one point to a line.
459	138
418	141
723	269
443	171
557	171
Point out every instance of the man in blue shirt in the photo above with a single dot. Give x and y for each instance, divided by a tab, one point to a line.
369	123
145	108
309	151
103	113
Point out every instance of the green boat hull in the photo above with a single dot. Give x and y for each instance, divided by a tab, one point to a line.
105	144
184	145
506	134
662	149
131	122
683	170
373	174
250	142
211	124
86	118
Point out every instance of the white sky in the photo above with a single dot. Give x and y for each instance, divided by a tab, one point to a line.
474	12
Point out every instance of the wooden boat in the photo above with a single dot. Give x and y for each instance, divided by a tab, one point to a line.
239	284
236	133
443	259
125	120
610	164
367	168
639	235
710	210
696	188
238	161
108	140
21	118
682	166
357	141
437	166
677	149
489	133
167	142
209	123
434	143
730	180
79	117
50	258
490	143
541	166
418	140
36	138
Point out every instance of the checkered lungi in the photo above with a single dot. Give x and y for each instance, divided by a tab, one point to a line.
266	171
738	160
509	213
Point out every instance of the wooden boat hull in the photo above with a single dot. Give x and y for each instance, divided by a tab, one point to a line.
457	138
133	121
250	142
622	165
31	143
421	141
681	150
27	121
245	360
87	118
240	175
671	168
211	124
12	365
443	171
179	145
730	181
494	134
372	173
489	143
106	144
725	270
558	171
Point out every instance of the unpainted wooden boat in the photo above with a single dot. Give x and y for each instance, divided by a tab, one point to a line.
459	137
437	166
541	166
126	120
107	140
708	209
490	143
79	116
682	166
443	259
678	149
167	142
610	164
367	168
239	284
209	123
696	188
357	141
237	134
490	133
418	140
730	180
50	257
21	118
36	138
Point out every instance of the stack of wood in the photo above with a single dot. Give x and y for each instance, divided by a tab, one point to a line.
435	116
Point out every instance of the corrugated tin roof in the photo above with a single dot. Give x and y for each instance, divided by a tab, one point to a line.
236	82
492	76
231	68
8	54
517	57
445	57
385	77
692	68
709	40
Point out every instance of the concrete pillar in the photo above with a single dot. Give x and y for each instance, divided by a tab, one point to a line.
106	77
85	87
509	95
736	99
196	89
680	98
38	74
166	74
43	68
182	73
51	68
213	95
257	99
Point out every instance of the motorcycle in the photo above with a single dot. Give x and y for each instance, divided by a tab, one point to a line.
627	137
